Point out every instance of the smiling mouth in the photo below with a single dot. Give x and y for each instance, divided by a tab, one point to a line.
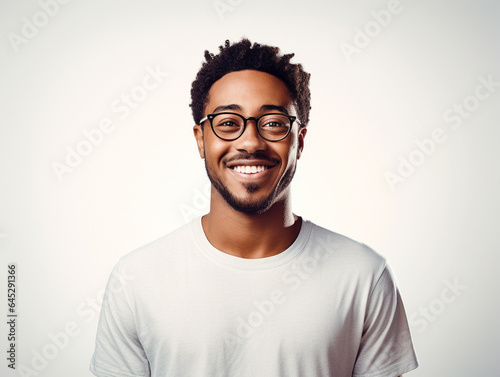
246	169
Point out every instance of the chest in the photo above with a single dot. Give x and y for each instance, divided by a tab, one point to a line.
224	319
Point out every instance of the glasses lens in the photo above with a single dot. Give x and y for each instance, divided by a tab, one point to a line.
227	126
274	126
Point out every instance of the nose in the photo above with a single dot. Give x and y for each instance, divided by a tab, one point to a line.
250	140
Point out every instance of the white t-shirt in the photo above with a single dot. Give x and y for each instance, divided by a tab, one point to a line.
326	306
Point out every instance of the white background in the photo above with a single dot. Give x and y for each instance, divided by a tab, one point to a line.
438	226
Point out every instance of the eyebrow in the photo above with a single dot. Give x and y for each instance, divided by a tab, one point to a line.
262	108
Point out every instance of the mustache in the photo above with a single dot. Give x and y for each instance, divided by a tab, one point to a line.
252	156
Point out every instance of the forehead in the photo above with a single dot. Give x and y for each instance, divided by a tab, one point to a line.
250	90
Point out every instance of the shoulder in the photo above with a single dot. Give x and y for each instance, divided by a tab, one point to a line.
344	252
164	251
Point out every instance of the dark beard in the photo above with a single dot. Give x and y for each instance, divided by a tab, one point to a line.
247	206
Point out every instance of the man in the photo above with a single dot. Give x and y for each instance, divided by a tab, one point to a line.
251	289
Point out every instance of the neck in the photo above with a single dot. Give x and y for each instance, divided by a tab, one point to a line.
251	235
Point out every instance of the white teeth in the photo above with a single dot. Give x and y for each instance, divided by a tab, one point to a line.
249	169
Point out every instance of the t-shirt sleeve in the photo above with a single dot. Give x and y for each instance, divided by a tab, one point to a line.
118	351
386	348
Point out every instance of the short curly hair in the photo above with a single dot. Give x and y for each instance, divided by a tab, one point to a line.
243	55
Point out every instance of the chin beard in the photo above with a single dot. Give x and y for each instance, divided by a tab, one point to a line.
244	206
247	206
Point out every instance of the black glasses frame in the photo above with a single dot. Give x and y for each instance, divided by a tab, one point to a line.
211	117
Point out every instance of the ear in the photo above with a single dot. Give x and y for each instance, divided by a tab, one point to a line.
301	136
198	135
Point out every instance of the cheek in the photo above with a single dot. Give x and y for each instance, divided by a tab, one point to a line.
291	150
215	150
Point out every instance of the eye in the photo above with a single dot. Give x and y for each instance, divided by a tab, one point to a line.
227	123
227	126
272	124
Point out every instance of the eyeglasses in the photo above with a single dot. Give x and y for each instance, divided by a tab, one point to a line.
230	126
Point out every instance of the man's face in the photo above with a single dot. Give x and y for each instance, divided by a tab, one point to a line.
250	173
